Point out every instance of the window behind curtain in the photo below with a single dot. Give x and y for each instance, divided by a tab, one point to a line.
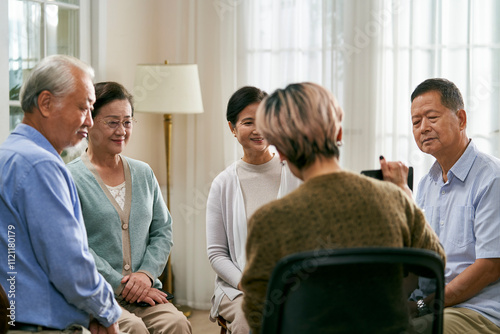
455	39
407	41
289	41
38	29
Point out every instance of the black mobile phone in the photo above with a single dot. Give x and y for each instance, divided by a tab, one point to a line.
377	174
169	297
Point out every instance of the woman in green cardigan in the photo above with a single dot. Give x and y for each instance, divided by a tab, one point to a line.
128	224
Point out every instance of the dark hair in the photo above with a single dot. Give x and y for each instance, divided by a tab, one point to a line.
451	97
241	99
107	92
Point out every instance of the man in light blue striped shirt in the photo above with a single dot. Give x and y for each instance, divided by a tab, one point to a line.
461	199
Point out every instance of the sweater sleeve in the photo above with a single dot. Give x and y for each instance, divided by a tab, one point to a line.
421	233
262	256
160	234
217	235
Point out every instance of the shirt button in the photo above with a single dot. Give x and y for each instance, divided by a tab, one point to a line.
443	192
441	223
125	226
126	267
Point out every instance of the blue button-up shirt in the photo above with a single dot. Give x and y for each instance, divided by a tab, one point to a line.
45	265
465	213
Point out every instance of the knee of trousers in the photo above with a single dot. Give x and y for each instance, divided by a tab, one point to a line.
133	325
175	322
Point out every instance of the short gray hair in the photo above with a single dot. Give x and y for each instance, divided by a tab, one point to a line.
54	74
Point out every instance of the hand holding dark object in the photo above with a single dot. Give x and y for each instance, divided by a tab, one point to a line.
156	296
397	173
394	171
136	287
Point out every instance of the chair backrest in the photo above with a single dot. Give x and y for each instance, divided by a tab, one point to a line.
361	290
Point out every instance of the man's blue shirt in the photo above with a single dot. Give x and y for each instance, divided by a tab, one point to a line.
465	213
46	268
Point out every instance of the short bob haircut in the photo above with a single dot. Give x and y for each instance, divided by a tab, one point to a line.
451	97
107	92
241	99
302	121
55	74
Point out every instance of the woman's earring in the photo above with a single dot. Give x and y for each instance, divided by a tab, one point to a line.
340	143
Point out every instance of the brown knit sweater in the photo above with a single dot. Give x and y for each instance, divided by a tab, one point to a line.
337	210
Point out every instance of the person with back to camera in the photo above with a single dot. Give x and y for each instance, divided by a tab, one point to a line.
235	194
52	283
332	208
128	224
460	196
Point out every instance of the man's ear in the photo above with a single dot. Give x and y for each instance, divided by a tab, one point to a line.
462	119
45	102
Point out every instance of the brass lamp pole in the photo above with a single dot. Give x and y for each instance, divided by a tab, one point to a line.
168	89
166	276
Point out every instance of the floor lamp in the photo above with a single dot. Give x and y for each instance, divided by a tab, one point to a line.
168	89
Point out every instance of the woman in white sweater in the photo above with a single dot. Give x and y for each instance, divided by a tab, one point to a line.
256	179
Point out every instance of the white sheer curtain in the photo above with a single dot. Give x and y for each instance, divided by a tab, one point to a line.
207	37
333	43
370	53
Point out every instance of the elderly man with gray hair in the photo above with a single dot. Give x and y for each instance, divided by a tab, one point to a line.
46	269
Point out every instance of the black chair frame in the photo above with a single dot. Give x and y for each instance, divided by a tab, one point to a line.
305	263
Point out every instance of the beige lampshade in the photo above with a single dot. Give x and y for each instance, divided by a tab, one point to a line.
168	89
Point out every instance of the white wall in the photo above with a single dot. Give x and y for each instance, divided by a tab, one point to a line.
134	35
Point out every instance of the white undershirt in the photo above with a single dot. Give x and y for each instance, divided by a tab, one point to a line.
118	193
